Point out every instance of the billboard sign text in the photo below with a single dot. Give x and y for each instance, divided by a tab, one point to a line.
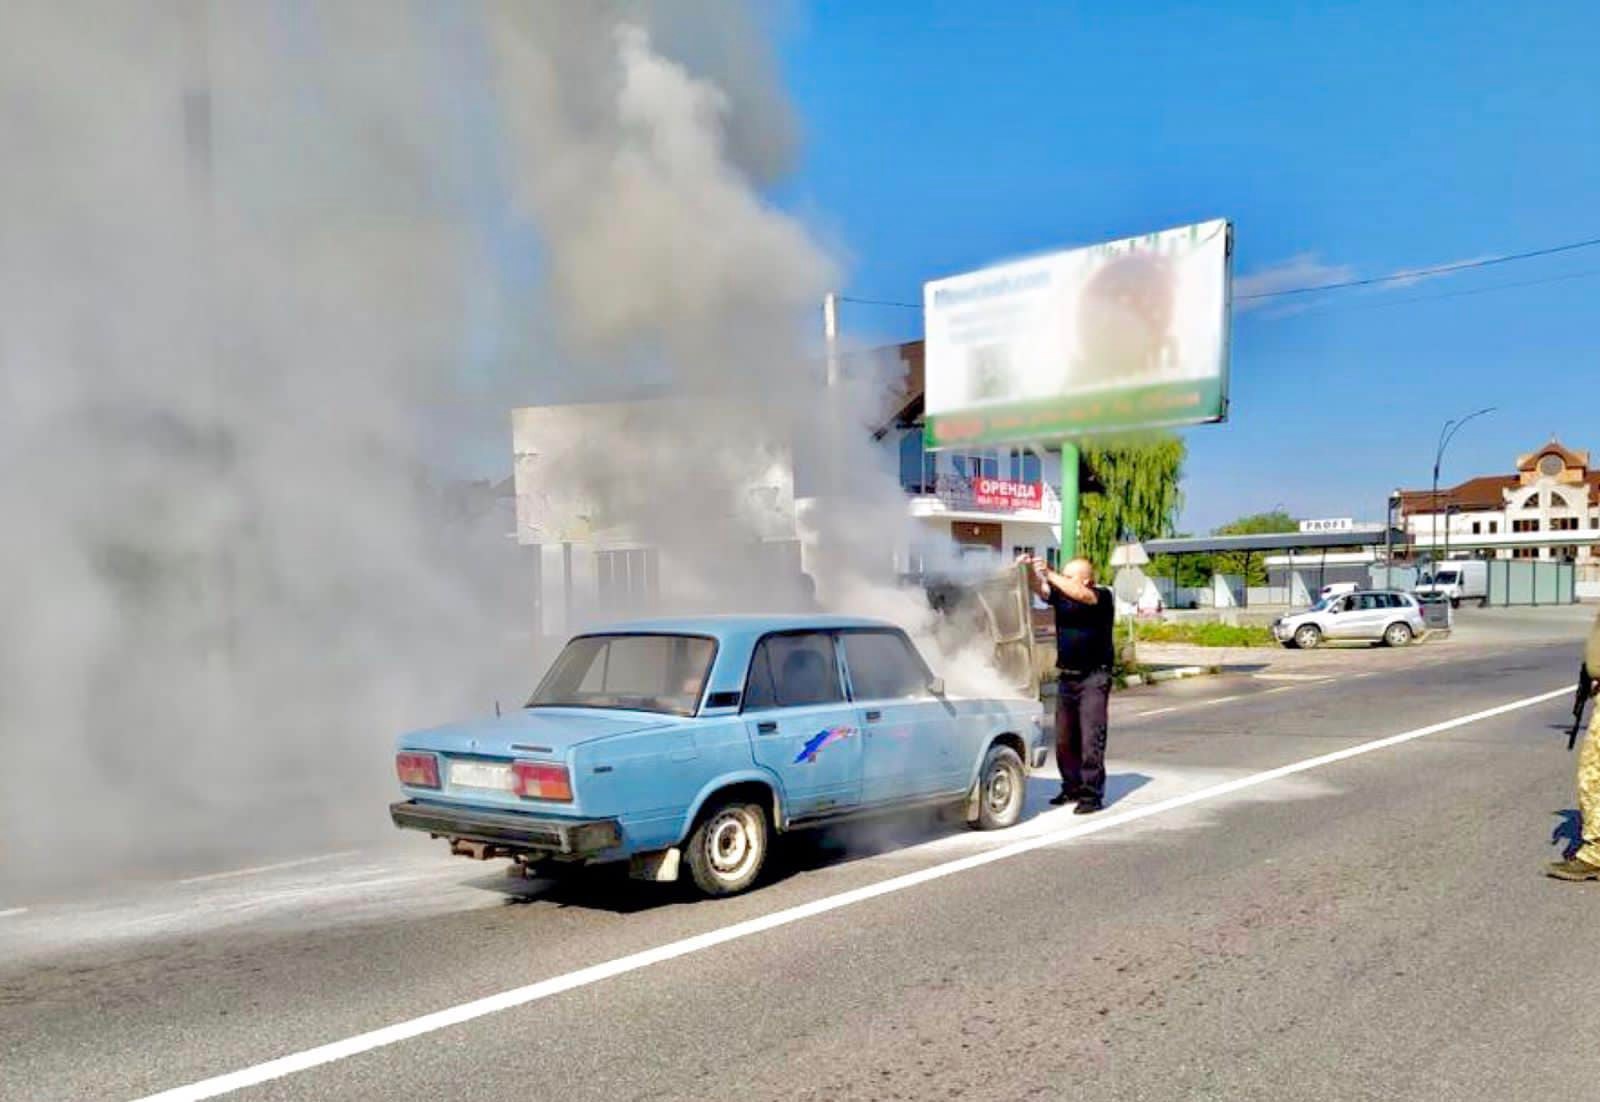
1125	335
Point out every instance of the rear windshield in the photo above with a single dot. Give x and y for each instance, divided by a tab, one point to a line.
642	673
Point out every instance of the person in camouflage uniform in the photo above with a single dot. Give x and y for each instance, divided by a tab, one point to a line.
1585	864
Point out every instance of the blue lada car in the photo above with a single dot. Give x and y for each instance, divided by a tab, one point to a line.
693	741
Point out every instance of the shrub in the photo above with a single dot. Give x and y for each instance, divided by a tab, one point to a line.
1207	634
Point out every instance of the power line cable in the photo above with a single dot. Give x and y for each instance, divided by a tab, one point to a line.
880	302
1587	273
1396	277
1419	273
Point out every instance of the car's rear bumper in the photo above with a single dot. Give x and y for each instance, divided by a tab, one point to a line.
570	837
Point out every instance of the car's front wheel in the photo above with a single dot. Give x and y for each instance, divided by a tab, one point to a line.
1397	635
728	848
1002	789
1308	637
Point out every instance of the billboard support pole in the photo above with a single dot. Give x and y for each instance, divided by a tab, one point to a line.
1068	536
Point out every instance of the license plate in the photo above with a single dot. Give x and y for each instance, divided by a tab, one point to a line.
480	774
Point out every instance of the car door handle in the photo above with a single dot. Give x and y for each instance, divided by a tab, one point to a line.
874	716
767	727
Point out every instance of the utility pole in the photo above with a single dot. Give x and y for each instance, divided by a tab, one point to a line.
830	336
218	551
1070	459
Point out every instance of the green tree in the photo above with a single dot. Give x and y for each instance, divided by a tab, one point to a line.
1252	564
1186	571
1140	497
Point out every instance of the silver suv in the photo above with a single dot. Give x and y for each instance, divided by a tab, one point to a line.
1374	616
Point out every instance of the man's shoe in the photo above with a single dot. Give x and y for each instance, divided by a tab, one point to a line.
1089	805
1573	870
1064	798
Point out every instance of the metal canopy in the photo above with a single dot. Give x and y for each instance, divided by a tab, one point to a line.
1271	541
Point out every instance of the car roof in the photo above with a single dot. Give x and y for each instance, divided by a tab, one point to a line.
727	625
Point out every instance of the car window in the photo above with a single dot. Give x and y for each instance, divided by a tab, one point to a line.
883	666
653	673
788	671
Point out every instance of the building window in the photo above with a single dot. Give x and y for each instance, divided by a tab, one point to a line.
1477	528
1494	526
1025	467
976	465
917	464
1568	553
1525	525
1564	524
1525	553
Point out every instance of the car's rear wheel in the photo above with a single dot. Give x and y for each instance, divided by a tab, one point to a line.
1308	637
728	848
1002	789
1397	635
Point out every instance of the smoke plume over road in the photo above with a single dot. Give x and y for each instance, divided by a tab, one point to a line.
273	276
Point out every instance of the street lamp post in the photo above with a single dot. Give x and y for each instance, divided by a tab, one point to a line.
1388	540
1446	434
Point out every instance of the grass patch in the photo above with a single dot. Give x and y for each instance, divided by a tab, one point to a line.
1207	634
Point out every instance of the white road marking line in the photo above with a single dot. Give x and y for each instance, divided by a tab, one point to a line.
1220	699
1153	712
1292	677
268	868
13	911
584	977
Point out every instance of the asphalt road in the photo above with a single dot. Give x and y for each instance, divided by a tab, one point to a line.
1367	926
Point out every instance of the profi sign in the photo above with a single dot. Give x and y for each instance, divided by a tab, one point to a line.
1125	335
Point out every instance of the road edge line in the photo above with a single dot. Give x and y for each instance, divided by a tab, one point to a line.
306	1059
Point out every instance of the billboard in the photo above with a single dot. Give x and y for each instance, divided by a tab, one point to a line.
1125	335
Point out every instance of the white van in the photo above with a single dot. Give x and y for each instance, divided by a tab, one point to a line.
1335	589
1459	580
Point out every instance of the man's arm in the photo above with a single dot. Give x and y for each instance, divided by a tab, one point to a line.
1036	578
1083	594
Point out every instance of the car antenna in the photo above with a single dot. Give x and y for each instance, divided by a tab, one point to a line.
497	709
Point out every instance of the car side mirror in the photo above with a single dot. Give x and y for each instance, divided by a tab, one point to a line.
936	686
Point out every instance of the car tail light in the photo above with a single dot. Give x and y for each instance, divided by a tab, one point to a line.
417	770
538	780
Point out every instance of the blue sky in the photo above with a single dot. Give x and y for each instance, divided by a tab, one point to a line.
1355	140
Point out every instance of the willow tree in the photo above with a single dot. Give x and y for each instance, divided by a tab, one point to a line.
1138	498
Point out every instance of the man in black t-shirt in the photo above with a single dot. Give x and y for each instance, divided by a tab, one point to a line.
1085	653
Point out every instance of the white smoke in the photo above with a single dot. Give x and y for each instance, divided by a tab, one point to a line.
269	272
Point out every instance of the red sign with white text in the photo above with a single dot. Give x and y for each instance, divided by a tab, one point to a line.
997	493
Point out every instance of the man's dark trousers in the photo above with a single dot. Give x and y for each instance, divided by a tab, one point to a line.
1081	703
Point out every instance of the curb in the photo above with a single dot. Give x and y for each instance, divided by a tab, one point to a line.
1177	674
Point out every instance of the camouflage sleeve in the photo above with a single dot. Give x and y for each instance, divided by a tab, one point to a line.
1591	656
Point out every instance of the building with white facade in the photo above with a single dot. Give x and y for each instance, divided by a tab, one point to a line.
994	501
1548	507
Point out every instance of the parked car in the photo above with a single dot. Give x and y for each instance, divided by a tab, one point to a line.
1459	580
698	739
1379	616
